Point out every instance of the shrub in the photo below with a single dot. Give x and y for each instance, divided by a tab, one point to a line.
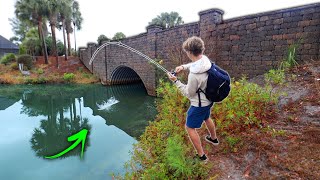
69	77
40	71
275	76
247	106
177	158
164	151
14	66
8	58
26	60
42	80
39	80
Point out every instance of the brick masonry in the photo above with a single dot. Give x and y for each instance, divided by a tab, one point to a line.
248	45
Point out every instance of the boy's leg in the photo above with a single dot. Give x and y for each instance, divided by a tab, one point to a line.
195	139
211	128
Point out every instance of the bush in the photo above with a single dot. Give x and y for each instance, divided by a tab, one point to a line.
69	77
164	151
26	60
247	106
22	49
40	71
14	66
274	77
8	58
39	80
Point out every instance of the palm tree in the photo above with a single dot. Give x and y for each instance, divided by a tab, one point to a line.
167	20
53	9
69	30
51	138
34	12
118	36
77	20
65	12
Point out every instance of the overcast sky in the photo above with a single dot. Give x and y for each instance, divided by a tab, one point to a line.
132	16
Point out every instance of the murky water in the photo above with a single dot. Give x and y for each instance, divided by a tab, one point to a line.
35	121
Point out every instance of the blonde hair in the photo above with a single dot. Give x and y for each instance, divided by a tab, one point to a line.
194	45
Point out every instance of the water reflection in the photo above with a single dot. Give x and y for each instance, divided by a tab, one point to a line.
126	107
36	121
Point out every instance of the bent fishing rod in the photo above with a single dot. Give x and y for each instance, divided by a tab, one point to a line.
131	49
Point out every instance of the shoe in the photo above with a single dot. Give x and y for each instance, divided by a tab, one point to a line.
212	141
202	158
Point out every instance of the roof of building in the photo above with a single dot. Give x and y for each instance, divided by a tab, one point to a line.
6	44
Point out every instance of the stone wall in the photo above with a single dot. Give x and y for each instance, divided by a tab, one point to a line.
254	44
248	45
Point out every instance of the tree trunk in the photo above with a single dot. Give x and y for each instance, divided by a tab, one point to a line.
69	45
75	43
74	109
61	119
64	40
54	43
44	46
40	37
70	106
80	109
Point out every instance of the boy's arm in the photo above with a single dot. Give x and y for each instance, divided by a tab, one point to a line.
189	90
186	66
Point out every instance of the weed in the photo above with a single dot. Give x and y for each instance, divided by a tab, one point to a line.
275	77
40	71
274	132
68	77
290	60
232	141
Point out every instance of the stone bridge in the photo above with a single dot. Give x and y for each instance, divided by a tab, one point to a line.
248	45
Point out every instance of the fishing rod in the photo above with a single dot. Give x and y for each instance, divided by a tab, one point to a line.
131	49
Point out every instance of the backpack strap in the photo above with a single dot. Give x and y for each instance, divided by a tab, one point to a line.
198	91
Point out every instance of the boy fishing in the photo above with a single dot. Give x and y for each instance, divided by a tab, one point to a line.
200	107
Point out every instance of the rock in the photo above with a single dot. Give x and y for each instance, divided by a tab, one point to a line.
25	73
312	110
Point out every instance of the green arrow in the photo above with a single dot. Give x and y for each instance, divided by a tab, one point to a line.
80	136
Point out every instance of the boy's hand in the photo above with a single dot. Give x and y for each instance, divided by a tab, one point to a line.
179	68
171	77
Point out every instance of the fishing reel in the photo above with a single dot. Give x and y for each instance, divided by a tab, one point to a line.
174	73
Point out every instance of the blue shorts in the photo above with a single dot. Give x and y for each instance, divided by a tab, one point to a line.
196	116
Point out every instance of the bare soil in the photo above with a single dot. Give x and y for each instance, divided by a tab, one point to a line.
294	153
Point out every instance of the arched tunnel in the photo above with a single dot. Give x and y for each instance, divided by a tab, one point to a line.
124	75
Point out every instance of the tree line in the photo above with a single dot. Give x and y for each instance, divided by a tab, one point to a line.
165	20
31	31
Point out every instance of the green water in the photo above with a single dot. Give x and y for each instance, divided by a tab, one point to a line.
36	121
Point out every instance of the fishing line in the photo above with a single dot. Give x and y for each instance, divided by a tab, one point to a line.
131	49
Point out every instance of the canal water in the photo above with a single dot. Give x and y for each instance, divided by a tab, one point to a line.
37	120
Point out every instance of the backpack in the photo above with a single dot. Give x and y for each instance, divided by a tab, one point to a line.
218	85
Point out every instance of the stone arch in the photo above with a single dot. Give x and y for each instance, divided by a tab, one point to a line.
124	75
